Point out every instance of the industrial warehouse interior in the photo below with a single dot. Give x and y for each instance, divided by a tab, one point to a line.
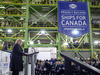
58	37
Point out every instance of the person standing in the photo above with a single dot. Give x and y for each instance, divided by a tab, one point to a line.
16	60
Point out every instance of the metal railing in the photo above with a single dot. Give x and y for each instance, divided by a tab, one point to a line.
22	24
69	59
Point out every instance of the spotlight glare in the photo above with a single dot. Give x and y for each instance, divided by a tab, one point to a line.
75	32
1	18
42	32
38	41
50	42
1	30
9	30
65	43
31	42
21	30
96	42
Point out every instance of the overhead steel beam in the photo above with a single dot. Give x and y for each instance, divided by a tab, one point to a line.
1	3
49	16
80	54
75	50
59	44
50	35
4	9
46	28
12	38
69	41
36	16
34	36
26	24
50	39
12	27
44	5
43	16
13	15
43	45
47	31
43	38
91	36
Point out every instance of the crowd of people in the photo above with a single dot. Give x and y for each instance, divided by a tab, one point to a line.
95	2
57	67
21	23
50	67
76	44
96	23
83	45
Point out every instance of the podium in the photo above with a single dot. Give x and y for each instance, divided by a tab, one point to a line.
31	59
4	62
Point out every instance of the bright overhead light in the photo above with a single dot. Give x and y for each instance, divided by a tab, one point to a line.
23	7
1	18
21	30
51	42
9	30
1	30
75	32
42	32
21	18
96	42
76	41
1	6
97	33
65	43
31	42
38	41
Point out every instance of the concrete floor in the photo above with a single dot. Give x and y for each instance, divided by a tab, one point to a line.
20	73
10	73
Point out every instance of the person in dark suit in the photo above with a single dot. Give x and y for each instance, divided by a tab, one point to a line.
16	60
58	68
63	67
